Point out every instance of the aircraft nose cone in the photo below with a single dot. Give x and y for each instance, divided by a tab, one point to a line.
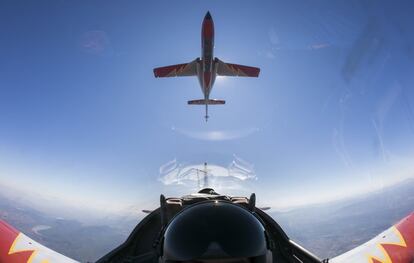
208	15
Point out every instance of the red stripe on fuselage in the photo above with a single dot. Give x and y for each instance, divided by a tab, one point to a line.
207	80
207	39
208	29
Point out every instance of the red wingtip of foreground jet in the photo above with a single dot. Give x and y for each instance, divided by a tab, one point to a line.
395	245
405	226
401	249
16	247
8	235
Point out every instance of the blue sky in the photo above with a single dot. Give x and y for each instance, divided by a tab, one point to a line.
82	116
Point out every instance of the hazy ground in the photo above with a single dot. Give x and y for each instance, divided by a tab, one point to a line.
330	229
326	230
70	237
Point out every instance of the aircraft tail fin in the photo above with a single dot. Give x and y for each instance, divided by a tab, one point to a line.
206	102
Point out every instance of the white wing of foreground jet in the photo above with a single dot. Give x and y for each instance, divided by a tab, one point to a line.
395	245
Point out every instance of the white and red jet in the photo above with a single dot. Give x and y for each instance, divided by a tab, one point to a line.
395	245
207	67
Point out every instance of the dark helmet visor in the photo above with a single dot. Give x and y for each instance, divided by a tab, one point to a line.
213	230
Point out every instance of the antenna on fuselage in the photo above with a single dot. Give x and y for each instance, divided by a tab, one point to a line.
205	175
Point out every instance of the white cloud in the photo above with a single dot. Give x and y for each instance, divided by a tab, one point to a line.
216	135
273	37
95	42
319	46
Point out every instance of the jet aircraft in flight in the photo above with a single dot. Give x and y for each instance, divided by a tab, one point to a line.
207	67
210	227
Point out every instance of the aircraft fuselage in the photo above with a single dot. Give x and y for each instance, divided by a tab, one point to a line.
206	72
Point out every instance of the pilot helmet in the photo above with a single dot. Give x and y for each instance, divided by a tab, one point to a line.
215	231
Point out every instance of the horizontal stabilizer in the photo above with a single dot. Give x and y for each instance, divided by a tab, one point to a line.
206	102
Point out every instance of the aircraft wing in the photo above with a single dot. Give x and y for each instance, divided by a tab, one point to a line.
228	69
179	70
16	247
395	245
